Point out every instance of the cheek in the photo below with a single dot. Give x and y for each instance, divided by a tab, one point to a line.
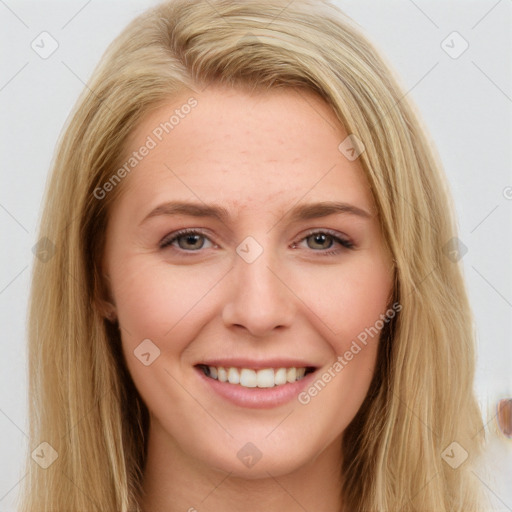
155	298
349	307
346	302
166	305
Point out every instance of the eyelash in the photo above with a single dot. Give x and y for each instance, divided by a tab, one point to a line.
346	244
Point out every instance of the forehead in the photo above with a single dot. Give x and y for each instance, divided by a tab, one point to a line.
243	149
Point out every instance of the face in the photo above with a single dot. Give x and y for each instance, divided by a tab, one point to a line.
222	265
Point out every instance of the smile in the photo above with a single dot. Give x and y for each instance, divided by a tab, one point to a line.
262	378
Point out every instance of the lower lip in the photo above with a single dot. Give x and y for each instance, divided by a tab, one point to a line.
257	398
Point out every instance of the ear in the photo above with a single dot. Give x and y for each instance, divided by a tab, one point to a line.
107	310
104	302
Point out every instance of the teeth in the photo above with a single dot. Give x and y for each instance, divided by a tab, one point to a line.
221	373
248	378
291	374
265	378
233	376
280	376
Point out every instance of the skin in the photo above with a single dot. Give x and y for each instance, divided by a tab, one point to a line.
258	155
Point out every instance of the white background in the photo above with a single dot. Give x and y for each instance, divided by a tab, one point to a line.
466	103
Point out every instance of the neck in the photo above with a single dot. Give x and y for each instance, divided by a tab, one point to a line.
174	482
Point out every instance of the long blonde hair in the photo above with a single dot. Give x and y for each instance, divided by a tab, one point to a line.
82	400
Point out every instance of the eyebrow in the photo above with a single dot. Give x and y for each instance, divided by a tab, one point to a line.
296	214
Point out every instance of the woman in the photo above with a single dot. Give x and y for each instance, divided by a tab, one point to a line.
252	303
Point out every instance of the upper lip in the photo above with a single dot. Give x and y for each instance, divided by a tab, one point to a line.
257	364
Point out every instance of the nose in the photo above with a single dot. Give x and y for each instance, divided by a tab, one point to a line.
260	299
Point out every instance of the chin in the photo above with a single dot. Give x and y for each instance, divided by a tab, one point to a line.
269	465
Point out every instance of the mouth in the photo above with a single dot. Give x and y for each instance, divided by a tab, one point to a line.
256	378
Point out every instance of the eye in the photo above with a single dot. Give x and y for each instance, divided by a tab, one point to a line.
188	240
322	241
